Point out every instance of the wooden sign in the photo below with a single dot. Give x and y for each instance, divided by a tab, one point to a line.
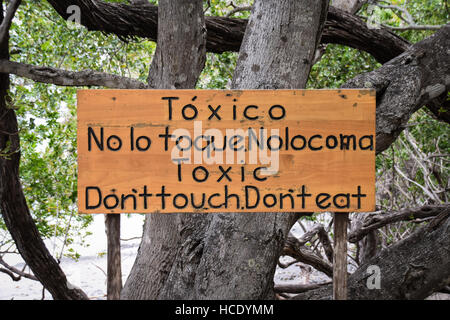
149	151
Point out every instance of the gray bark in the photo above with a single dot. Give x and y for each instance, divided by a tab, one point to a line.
114	269
413	268
69	78
226	34
348	5
178	61
233	256
406	83
13	205
370	222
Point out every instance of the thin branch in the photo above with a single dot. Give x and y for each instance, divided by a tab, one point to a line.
407	18
377	220
413	27
295	248
287	264
16	271
226	34
297	288
9	273
69	78
130	239
237	9
7	20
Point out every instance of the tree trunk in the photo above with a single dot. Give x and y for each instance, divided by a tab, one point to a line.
406	83
14	207
340	256
179	59
234	255
114	265
413	268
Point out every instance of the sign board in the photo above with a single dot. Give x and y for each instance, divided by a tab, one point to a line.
150	151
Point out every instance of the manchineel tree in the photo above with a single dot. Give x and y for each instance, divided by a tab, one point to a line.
234	256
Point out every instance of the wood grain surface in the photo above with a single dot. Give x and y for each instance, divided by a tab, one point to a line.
127	146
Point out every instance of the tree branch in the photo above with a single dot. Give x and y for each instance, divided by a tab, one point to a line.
12	271
319	230
406	83
237	9
226	34
297	288
406	17
413	268
376	220
295	248
69	78
9	15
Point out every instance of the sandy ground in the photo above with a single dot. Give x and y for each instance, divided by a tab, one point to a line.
89	272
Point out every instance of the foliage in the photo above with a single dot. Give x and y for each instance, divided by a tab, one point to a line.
47	113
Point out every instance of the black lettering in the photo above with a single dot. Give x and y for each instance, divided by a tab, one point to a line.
170	104
116	201
247	116
198	206
99	144
344	202
304	195
346	140
210	201
99	192
268	204
269	144
163	196
237	139
247	197
110	144
229	196
202	148
301	138
224	173
177	143
193	108
147	146
224	144
369	146
310	142
321	198
252	136
179	172
281	116
255	174
334	141
286	131
214	112
359	195
184	197
166	137
205	174
286	195
145	195
124	198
